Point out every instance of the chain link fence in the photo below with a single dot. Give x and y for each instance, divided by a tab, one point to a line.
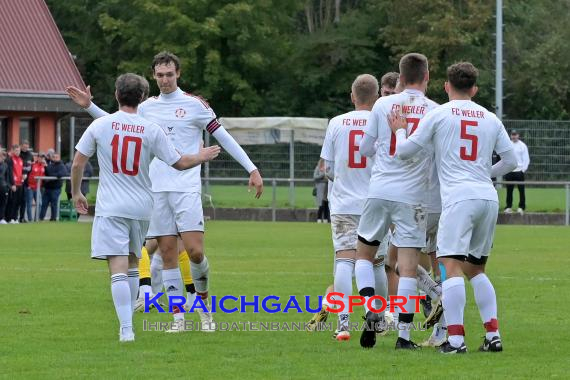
548	144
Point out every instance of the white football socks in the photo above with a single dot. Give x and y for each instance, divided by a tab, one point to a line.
407	286
453	299
364	274
133	274
486	300
121	293
172	280
200	273
343	284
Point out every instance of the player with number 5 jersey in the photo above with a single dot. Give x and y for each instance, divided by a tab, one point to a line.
464	135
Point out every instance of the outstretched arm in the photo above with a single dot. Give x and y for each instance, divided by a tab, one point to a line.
83	99
236	151
188	161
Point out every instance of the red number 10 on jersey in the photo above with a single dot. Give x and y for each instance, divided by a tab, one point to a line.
124	154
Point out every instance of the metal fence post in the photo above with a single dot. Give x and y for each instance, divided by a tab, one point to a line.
292	169
567	204
38	199
274	200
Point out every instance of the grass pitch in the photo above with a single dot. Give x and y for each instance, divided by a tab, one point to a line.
57	319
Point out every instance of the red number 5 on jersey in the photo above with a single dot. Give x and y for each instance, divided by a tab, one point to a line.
353	149
466	136
124	154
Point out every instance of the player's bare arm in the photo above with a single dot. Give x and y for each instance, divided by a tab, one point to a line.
255	181
79	200
80	97
188	161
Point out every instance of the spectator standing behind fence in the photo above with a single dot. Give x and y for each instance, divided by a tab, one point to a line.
6	182
27	158
523	160
87	172
320	192
38	170
16	195
52	187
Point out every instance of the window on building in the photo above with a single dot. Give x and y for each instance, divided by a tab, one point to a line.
28	132
3	132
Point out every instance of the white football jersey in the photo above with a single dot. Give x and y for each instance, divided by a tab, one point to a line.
433	202
125	144
394	179
464	135
183	117
351	170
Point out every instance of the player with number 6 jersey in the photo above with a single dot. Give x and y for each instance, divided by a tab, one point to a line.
350	172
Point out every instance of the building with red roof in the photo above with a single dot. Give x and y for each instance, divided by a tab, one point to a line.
35	68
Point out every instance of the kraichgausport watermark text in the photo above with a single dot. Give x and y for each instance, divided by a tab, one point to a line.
276	326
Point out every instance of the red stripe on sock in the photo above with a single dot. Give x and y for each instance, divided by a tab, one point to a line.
204	296
456	330
492	325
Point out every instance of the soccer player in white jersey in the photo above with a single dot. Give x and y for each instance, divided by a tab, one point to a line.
464	135
178	203
350	173
125	144
395	196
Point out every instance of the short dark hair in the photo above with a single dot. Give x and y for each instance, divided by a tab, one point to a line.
130	89
390	79
462	75
365	88
413	68
164	58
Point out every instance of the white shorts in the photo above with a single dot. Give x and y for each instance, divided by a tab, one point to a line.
175	212
467	228
115	236
344	235
431	232
379	214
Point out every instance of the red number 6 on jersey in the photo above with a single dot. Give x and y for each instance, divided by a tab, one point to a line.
353	149
466	136
124	154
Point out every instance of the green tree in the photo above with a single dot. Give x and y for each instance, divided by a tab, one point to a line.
537	56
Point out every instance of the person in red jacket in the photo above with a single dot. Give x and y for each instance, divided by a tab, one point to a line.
16	195
37	170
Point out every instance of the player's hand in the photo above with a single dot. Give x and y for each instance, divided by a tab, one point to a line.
81	98
256	181
80	203
209	153
396	121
